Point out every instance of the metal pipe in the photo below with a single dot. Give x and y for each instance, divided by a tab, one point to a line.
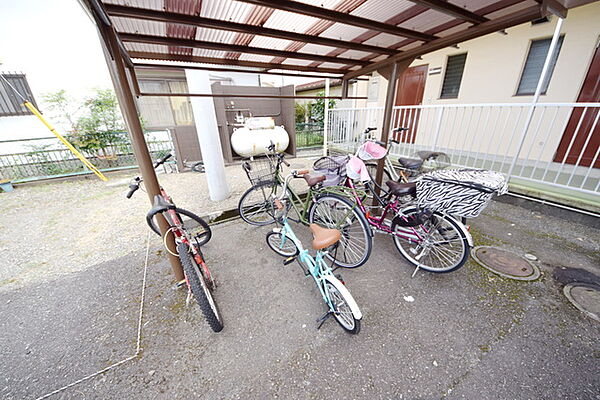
538	91
326	117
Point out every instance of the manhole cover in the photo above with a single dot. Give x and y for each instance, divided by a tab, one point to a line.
505	263
585	297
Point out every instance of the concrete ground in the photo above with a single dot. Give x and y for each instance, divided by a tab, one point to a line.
467	335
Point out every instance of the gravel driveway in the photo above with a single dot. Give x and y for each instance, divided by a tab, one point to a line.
51	229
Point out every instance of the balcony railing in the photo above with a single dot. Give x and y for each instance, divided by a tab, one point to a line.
558	148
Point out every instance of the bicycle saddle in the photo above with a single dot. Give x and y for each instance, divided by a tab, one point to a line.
323	237
410	163
402	189
313	179
425	155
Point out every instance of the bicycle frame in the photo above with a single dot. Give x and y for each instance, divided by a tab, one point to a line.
378	222
316	266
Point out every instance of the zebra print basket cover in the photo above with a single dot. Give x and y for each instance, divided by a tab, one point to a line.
462	192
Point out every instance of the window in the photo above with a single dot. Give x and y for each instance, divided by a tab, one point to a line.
10	103
454	72
534	64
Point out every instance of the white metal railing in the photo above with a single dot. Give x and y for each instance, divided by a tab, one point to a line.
558	146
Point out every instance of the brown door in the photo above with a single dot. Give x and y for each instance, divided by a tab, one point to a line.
411	86
590	93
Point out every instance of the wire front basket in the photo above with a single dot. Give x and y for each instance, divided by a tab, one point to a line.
260	170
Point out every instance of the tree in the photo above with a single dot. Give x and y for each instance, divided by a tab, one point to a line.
96	126
317	111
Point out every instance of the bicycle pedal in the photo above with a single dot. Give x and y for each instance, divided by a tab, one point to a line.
289	260
339	276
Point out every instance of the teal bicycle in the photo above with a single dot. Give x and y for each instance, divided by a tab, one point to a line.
283	241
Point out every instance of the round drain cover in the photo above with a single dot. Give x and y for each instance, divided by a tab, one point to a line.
585	297
505	263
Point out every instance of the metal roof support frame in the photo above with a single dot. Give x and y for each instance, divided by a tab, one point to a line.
118	73
193	20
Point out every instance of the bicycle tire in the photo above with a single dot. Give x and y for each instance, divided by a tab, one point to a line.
205	236
198	167
260	210
350	324
331	221
450	233
200	289
273	240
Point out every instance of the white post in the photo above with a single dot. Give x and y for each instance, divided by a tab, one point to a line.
538	91
438	127
208	134
326	117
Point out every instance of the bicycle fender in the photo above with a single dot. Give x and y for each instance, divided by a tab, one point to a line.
346	293
463	229
460	225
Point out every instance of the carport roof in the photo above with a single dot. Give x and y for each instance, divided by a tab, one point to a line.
340	37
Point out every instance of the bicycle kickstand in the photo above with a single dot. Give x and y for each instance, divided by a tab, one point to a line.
322	319
416	270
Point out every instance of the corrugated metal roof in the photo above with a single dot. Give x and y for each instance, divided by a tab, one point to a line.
402	12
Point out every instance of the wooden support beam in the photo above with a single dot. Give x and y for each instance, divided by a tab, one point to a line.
230	61
250	96
485	28
553	7
225	69
343	18
202	22
202	44
117	69
390	99
452	9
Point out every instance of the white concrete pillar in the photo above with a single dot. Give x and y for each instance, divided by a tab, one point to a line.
208	134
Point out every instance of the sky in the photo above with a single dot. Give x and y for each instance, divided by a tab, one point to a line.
57	46
54	43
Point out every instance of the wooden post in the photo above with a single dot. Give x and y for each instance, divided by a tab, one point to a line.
118	73
390	98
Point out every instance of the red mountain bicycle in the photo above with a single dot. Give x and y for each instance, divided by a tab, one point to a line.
191	232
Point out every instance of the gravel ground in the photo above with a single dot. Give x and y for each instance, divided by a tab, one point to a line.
51	229
467	335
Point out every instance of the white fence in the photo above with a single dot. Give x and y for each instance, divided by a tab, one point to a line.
559	147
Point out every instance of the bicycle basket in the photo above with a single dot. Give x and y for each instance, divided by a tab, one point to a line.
462	192
260	170
333	167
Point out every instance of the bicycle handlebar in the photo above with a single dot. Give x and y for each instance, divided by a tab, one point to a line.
133	186
162	160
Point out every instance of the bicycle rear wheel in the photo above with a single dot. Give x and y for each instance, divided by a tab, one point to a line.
437	245
256	205
199	288
333	211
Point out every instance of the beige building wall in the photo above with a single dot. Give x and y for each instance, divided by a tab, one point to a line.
492	73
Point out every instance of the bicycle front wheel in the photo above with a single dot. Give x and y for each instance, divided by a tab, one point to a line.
199	288
437	245
341	310
333	211
282	245
256	205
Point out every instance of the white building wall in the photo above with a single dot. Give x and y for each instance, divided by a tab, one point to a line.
492	72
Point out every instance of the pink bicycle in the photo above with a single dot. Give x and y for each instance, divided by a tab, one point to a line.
430	240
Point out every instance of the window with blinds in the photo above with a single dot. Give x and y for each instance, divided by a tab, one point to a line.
534	64
453	76
10	103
